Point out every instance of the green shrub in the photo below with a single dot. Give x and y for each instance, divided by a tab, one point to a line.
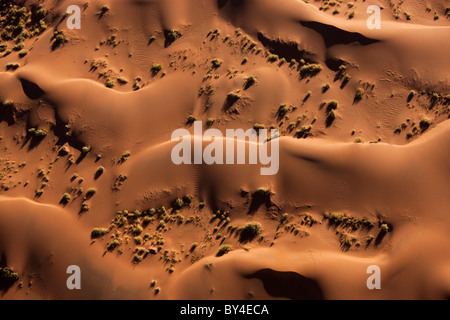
136	259
272	57
156	68
308	94
258	126
232	97
193	246
359	94
38	133
249	232
60	39
188	199
191	119
216	63
138	240
125	156
18	46
425	124
90	192
251	80
310	69
12	65
23	53
104	9
84	206
65	198
331	116
178	204
110	84
98	233
282	110
112	245
173	35
224	249
332	105
122	81
7	278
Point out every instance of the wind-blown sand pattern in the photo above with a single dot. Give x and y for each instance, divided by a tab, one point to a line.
85	152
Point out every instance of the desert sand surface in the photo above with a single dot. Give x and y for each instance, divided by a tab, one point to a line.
87	116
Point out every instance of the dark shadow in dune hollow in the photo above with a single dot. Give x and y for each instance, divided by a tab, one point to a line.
288	284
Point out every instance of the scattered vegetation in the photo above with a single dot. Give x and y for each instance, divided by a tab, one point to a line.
85	149
193	246
425	124
273	58
332	105
191	119
37	133
216	63
171	36
249	232
411	95
282	111
122	81
232	98
156	68
59	39
65	198
258	126
99	172
358	95
7	278
224	249
310	69
23	53
124	156
251	80
12	65
90	193
98	233
331	116
110	84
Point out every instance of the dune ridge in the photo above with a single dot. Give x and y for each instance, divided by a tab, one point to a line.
86	178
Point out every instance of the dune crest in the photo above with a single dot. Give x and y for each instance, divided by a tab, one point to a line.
87	177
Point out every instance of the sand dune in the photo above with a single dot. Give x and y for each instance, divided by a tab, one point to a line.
87	178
